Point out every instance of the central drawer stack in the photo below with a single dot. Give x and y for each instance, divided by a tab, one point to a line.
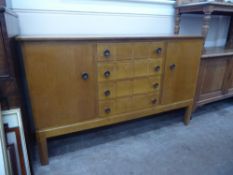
129	76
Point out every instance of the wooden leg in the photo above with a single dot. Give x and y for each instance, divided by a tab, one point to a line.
43	148
187	115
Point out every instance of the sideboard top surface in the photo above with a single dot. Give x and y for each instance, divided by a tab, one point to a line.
99	37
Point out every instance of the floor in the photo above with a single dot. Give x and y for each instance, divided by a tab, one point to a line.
159	145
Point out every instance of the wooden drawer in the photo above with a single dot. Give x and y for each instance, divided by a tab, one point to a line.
106	71
124	88
146	67
146	84
148	50
157	49
124	69
145	101
107	108
155	67
107	90
124	105
114	51
141	67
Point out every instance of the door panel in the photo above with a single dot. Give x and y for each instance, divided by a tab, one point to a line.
59	94
181	70
213	75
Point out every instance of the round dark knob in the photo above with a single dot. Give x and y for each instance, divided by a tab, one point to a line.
155	85
157	68
85	76
158	51
154	101
172	66
107	93
107	53
107	74
107	110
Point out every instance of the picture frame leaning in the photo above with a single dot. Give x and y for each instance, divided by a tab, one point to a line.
14	130
4	165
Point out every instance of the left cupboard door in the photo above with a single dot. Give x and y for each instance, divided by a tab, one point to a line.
61	82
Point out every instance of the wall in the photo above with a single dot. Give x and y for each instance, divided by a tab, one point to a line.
109	17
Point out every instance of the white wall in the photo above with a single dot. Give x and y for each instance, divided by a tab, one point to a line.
109	17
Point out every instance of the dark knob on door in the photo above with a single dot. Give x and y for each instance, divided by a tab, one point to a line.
107	74
157	68
107	110
155	85
154	101
85	76
158	51
172	66
107	53
107	93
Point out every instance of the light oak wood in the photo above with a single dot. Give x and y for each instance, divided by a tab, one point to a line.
138	78
181	70
58	93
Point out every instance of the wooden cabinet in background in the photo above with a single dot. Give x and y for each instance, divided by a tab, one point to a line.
76	84
215	79
9	87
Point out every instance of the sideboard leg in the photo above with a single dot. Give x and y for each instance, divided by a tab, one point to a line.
187	115
43	148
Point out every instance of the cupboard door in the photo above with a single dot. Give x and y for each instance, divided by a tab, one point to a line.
230	79
213	75
61	82
181	70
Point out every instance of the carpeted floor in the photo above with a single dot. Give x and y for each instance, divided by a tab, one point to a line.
159	145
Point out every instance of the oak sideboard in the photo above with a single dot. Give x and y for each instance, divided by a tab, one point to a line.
78	83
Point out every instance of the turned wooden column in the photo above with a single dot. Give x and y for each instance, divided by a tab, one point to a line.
206	23
177	22
229	43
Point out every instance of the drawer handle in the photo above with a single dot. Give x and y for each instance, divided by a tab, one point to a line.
172	66
158	51
107	74
107	110
107	53
107	93
85	76
154	101
155	85
157	68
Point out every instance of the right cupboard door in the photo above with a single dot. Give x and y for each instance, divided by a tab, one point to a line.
181	70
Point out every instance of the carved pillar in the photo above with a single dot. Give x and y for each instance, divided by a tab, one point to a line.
177	22
206	23
230	35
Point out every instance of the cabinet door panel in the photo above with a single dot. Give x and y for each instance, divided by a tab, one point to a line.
59	95
231	76
181	69
213	75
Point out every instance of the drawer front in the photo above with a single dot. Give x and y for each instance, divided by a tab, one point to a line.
146	84
114	51
145	101
107	108
124	69
148	50
124	88
124	105
155	67
106	71
141	67
157	49
107	90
